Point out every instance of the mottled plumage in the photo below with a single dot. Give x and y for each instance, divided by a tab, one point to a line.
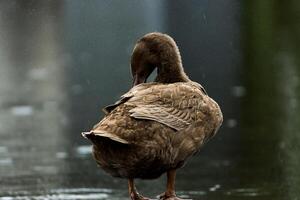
154	127
159	126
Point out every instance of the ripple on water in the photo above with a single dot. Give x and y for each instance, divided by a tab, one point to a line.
196	192
250	192
60	197
188	194
66	194
81	190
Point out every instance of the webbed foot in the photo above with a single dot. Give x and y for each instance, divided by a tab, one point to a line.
134	195
170	194
163	196
137	196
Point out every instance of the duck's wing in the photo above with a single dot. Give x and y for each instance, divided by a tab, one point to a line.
184	107
176	105
126	97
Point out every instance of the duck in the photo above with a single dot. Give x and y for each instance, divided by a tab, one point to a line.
156	126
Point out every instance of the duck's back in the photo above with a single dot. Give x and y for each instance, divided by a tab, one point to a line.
154	127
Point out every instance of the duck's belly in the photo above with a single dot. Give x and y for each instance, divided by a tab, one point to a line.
129	161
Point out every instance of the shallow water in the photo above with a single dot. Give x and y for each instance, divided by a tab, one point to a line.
61	61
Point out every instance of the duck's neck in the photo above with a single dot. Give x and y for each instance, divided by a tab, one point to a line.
157	50
171	72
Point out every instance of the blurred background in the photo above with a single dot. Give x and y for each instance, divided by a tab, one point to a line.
62	61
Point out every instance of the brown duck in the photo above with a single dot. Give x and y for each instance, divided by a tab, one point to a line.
155	126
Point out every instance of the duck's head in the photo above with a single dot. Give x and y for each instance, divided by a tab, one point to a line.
157	50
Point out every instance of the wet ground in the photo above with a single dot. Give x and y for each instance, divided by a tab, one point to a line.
61	61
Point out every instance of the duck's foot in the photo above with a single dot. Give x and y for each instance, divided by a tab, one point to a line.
170	191
134	195
137	196
165	196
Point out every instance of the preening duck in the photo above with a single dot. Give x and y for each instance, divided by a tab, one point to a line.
155	126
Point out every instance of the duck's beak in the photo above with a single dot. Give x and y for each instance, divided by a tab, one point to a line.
137	79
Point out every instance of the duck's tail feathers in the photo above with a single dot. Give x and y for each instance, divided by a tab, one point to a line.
87	135
96	133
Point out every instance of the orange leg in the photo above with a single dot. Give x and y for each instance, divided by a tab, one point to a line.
134	195
170	194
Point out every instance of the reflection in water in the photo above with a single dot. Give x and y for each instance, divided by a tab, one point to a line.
55	60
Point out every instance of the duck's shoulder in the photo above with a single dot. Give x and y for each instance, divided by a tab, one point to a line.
170	91
125	97
198	85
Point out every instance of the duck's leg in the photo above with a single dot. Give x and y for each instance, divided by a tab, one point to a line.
134	195
170	194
